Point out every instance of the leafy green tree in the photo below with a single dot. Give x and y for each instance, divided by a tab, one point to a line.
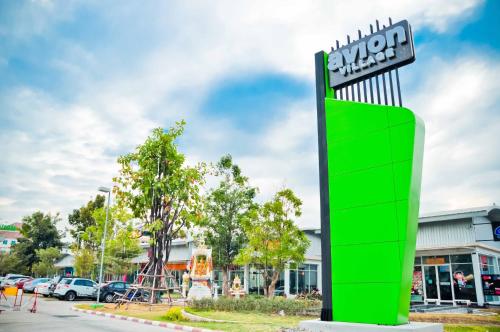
159	188
93	234
226	207
120	249
46	260
273	238
40	232
82	218
85	263
9	263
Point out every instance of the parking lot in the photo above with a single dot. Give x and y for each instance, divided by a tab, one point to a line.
56	316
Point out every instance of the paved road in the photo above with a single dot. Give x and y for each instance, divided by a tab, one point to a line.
56	316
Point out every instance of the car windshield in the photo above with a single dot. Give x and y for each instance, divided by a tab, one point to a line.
66	281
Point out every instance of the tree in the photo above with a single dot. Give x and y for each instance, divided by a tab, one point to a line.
40	232
120	249
273	238
85	263
9	263
93	234
226	207
46	260
161	190
82	218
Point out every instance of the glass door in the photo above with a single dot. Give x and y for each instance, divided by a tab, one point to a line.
431	289
444	277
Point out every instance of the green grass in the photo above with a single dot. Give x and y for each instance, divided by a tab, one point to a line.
245	322
462	328
255	322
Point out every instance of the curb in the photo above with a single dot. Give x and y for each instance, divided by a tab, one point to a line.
144	321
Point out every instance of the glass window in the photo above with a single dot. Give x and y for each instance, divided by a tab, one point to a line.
304	279
461	258
218	280
417	287
463	282
5	241
118	285
256	281
293	281
281	280
88	283
78	282
13	242
418	260
487	264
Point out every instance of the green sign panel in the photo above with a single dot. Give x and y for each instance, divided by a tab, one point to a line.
370	175
8	228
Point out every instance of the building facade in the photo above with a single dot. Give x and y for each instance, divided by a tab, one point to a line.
9	235
294	280
458	257
457	261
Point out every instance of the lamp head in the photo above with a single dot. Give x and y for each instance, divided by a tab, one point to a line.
104	189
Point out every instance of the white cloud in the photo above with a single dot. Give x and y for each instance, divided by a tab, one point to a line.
59	151
459	103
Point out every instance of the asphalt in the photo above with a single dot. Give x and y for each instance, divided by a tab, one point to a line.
56	316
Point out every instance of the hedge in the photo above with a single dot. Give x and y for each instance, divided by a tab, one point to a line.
260	304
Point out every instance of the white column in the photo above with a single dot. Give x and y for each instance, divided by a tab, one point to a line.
477	279
246	278
287	280
320	280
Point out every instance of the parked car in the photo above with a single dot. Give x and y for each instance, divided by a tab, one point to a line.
54	282
10	279
43	288
29	286
72	288
20	282
109	290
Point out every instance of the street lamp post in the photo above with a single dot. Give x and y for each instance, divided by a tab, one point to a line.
103	244
78	239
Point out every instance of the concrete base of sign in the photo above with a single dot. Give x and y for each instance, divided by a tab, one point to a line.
321	326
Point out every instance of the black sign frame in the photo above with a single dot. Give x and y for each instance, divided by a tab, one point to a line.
402	54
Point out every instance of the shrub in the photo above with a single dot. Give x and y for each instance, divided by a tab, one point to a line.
263	305
174	314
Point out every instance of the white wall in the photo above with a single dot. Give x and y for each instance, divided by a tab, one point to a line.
445	233
484	232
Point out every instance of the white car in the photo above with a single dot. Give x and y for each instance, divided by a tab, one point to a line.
10	279
43	288
70	289
30	286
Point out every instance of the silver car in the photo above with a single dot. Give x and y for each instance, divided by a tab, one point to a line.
43	288
29	286
70	289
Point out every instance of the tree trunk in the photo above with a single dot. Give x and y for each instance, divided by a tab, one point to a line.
225	283
265	287
274	279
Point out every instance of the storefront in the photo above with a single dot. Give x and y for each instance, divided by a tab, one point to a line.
458	258
447	279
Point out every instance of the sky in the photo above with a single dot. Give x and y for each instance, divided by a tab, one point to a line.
83	82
